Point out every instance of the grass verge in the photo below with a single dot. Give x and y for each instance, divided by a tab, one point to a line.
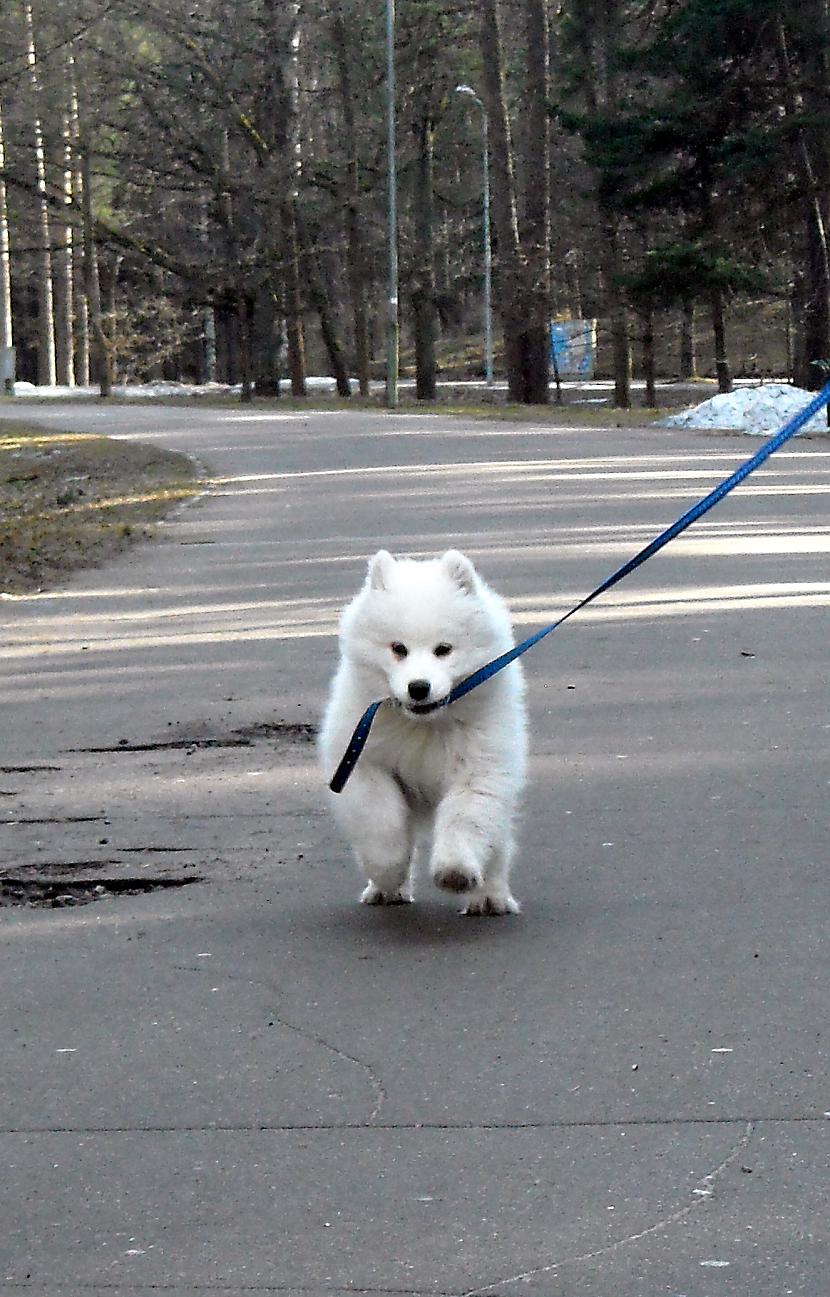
573	414
71	500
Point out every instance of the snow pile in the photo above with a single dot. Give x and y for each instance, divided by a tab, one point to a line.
136	390
151	391
757	410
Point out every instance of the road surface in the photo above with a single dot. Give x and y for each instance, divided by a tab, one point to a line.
250	1083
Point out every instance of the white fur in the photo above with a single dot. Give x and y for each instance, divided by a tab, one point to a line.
454	774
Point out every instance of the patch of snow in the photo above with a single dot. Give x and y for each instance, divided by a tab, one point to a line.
756	410
148	391
31	389
128	390
153	391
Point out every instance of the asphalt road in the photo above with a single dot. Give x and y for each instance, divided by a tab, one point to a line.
252	1083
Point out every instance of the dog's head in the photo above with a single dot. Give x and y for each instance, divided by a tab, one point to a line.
424	625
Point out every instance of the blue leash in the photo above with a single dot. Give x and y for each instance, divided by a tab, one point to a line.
364	725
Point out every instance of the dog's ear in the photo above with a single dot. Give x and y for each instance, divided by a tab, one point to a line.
380	570
460	569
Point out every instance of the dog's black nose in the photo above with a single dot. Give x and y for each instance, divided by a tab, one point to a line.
419	690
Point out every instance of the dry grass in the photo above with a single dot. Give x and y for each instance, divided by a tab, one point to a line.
573	413
69	500
570	416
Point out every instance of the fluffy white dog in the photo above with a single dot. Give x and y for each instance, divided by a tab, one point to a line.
413	632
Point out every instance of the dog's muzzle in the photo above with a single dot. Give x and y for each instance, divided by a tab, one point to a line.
424	709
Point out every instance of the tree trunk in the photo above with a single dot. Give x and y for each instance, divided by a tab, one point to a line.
6	333
796	314
688	357
227	350
292	301
722	369
244	312
237	321
816	318
612	264
809	105
290	215
81	328
574	282
321	301
108	274
509	271
354	244
814	348
649	365
423	291
535	233
81	331
102	354
46	374
209	353
64	269
265	345
596	27
521	270
331	341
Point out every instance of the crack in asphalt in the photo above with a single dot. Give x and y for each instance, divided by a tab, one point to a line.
703	1189
58	819
374	1079
29	1284
29	769
287	1128
264	731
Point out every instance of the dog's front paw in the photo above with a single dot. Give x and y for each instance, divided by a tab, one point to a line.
374	895
491	903
456	878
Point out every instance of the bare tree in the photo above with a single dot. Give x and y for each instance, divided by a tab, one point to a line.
46	373
521	273
688	356
289	146
65	254
79	297
6	334
354	243
423	273
808	103
102	347
535	227
596	24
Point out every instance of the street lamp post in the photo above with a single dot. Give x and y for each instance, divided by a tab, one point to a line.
392	324
488	254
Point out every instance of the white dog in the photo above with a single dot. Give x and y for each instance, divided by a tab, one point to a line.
413	632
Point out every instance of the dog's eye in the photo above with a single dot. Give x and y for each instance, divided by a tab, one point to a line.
442	650
400	650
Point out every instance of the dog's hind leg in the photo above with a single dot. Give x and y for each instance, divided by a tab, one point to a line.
375	814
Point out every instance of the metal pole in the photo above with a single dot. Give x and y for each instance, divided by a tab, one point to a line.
393	327
488	258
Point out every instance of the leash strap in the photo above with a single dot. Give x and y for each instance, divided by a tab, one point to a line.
364	725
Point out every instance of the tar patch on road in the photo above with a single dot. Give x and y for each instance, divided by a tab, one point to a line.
59	893
137	816
291	731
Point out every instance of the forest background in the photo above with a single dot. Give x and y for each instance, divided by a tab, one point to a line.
199	190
